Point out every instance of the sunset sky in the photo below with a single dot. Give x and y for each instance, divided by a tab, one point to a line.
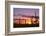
18	12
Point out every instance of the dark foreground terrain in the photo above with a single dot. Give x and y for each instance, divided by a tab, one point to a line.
25	25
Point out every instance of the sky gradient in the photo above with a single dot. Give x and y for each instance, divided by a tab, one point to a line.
19	12
26	11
